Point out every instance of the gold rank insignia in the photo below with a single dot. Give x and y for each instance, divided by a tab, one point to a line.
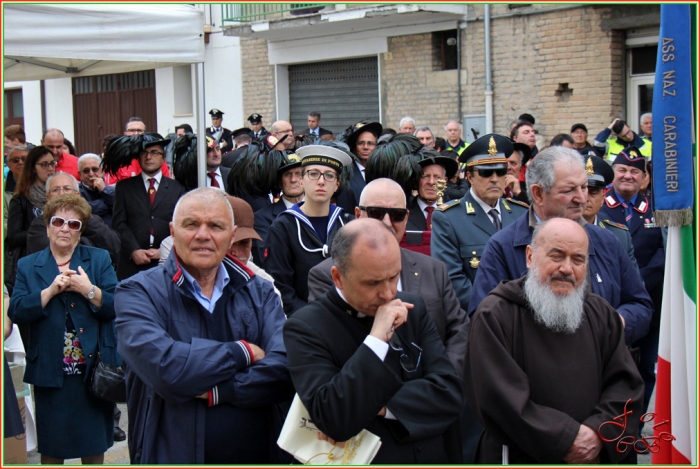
470	207
450	204
589	167
474	262
506	206
513	201
493	151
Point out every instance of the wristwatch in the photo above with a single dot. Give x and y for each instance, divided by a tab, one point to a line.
91	295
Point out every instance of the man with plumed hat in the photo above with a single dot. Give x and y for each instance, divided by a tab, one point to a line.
291	192
241	139
625	205
221	135
302	236
433	168
601	175
257	130
362	140
143	208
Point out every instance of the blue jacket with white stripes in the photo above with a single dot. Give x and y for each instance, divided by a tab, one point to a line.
170	357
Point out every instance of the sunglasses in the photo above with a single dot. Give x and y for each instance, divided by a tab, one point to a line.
487	173
17	160
94	170
396	215
73	224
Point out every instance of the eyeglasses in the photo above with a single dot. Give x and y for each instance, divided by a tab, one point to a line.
17	160
95	170
135	131
487	173
366	144
282	132
330	176
153	153
64	190
46	164
73	224
396	215
408	359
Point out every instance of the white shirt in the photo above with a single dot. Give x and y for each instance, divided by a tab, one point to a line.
486	207
218	177
422	205
147	185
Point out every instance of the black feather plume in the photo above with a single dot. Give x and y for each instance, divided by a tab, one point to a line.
255	172
383	160
185	161
120	152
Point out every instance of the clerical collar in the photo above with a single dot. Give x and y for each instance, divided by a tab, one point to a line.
359	314
484	206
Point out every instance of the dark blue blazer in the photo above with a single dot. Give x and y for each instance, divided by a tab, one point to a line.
263	219
610	271
36	272
357	183
647	241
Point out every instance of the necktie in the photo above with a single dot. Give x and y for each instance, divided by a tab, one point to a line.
628	211
429	218
214	182
509	193
494	218
152	190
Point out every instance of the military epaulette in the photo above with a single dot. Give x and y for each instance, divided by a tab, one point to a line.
450	204
616	225
518	202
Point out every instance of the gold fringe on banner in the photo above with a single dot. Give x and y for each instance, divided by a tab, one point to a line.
674	217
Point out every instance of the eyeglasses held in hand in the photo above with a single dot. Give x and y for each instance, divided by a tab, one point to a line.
73	224
46	164
409	361
329	176
487	173
396	215
153	153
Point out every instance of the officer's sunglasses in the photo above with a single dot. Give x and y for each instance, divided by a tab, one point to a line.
396	215
487	173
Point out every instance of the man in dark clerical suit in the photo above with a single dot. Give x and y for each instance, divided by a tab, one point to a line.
420	274
314	121
143	209
626	205
435	168
363	356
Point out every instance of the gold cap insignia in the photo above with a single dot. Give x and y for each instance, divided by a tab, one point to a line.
359	125
633	154
492	147
293	158
589	167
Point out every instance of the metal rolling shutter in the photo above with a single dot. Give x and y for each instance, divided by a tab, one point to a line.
343	91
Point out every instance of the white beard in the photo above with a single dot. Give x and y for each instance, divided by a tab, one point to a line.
555	312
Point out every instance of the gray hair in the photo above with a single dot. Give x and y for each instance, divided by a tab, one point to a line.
209	193
449	122
74	182
346	238
424	128
17	148
407	119
541	169
643	116
88	156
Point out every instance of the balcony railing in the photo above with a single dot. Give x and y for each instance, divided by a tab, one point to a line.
250	12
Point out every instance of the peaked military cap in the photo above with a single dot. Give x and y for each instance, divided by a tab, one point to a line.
242	131
599	172
215	113
255	118
488	152
631	156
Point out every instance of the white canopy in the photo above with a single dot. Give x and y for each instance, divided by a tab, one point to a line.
57	40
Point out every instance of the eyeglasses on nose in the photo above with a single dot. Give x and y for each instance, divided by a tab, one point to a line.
73	224
487	173
329	176
17	160
46	164
135	131
153	153
367	144
396	215
64	190
95	169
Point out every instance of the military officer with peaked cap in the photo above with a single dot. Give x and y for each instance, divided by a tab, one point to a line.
302	236
600	176
222	135
257	130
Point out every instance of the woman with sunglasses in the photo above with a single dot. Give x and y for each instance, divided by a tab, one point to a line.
65	294
27	203
301	236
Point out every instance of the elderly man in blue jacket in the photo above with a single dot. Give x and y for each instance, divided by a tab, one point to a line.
201	337
557	185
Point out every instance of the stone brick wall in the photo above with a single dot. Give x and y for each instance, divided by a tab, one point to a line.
258	81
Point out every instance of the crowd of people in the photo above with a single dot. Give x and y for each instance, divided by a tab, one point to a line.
495	302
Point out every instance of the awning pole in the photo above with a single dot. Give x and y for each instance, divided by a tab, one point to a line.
201	129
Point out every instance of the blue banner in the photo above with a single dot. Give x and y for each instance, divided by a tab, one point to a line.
673	126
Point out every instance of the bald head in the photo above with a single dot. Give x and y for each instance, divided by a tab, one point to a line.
388	194
280	129
365	234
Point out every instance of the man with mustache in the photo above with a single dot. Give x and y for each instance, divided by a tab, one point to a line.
557	185
553	407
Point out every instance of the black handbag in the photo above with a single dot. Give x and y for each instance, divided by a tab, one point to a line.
107	381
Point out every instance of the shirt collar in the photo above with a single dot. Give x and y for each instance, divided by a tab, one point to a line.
422	204
222	279
484	206
157	177
633	200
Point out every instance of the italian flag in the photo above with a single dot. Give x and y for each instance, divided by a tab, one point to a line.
676	390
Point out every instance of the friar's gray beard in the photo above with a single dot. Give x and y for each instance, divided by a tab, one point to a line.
555	312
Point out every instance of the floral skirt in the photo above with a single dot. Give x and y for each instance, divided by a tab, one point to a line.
71	422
